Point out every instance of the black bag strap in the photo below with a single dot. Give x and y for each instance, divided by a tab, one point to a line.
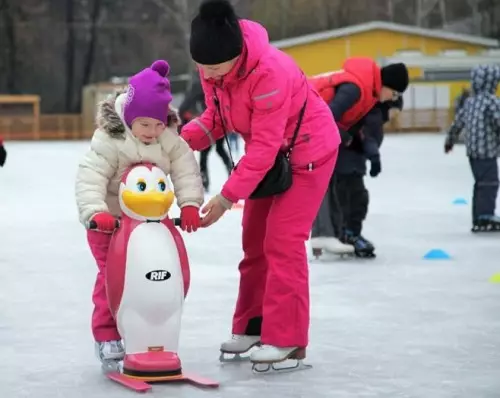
223	124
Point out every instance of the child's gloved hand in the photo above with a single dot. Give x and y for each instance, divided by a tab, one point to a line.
190	218
105	222
3	153
448	146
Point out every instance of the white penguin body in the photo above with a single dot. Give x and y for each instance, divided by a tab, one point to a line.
150	310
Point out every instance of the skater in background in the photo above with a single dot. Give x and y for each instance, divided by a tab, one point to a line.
353	95
3	153
234	141
133	127
262	94
192	106
353	197
480	116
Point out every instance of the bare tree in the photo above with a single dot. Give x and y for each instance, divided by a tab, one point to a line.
423	10
181	13
8	12
70	55
476	14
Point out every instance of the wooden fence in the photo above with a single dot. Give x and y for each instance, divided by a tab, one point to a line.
71	127
45	127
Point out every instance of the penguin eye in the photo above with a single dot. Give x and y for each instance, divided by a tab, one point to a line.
162	186
141	186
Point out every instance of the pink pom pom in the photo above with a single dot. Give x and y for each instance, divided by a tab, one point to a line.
162	67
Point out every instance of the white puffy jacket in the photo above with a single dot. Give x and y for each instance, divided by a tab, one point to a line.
113	149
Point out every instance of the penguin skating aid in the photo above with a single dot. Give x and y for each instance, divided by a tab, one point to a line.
147	280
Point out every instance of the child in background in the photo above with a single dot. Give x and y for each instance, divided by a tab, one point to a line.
480	116
3	153
133	127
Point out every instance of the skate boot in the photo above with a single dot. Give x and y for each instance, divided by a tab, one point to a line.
362	247
205	180
330	244
239	344
268	357
486	224
110	353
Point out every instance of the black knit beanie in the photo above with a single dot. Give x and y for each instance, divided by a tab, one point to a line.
395	76
215	33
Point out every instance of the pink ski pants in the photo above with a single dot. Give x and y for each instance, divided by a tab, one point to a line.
103	323
274	274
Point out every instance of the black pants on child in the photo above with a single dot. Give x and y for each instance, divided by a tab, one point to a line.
485	172
328	222
353	199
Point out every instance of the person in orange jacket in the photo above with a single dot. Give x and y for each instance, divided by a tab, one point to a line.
353	95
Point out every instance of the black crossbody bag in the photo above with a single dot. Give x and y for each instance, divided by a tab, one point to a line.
279	178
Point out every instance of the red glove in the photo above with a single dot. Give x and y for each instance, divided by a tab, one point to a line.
190	218
105	222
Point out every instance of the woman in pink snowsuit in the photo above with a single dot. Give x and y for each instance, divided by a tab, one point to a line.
259	92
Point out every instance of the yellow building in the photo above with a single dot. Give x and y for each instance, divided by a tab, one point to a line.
324	51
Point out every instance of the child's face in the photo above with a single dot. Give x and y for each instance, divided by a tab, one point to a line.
147	129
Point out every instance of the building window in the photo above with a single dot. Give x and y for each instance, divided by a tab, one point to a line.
446	75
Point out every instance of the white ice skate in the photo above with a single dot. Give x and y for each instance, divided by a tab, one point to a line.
239	344
330	244
267	358
110	353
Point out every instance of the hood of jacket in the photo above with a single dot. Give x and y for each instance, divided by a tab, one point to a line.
110	119
485	78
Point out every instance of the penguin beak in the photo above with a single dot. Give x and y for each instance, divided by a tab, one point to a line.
148	204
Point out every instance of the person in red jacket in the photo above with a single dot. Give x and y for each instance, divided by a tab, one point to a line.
3	153
354	95
259	92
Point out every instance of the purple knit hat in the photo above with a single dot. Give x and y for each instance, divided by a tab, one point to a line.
148	94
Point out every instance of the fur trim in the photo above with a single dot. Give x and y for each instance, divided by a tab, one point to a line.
107	119
173	117
110	122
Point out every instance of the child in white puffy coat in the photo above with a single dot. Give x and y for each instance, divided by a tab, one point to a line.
136	126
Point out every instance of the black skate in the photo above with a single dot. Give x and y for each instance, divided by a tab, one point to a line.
362	248
205	181
486	225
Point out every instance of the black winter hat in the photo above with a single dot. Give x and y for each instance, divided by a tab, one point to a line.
215	33
395	76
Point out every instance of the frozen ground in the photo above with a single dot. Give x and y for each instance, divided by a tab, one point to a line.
396	326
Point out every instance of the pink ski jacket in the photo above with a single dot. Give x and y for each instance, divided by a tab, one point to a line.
261	100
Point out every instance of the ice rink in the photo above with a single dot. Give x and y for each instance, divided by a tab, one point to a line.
398	326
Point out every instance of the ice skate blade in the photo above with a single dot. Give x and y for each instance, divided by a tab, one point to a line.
261	368
237	357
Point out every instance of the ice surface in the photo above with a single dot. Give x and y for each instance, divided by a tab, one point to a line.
396	326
